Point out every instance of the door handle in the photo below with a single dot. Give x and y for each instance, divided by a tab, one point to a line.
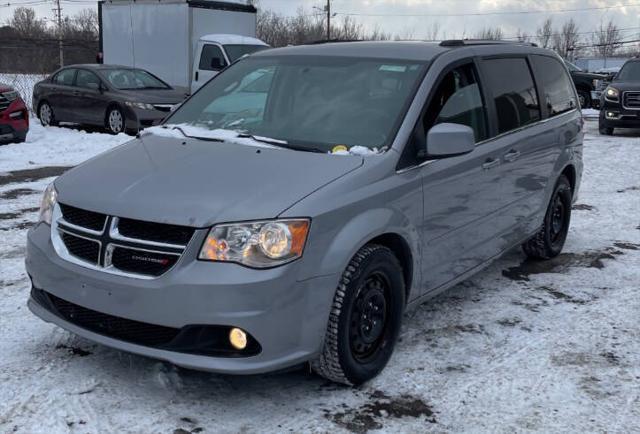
490	163
512	155
197	75
76	93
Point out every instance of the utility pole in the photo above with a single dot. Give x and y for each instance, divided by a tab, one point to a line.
328	9
58	12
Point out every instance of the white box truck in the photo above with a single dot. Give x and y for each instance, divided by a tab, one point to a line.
184	42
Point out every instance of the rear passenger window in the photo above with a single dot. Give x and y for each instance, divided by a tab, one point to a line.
513	91
458	101
65	77
559	96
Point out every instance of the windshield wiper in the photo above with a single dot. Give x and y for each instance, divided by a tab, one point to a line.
206	139
279	143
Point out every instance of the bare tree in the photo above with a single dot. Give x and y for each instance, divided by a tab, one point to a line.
490	34
25	23
278	30
607	39
544	34
566	41
433	32
522	36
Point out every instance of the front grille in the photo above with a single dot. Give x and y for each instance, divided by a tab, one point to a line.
82	248
86	219
157	232
142	261
4	103
632	99
113	326
119	245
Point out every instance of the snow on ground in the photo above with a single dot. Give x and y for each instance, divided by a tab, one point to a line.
548	347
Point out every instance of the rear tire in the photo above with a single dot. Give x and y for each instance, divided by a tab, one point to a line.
550	239
46	115
365	318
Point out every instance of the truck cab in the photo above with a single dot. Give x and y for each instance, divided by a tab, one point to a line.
216	52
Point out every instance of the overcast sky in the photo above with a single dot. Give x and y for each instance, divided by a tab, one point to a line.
415	18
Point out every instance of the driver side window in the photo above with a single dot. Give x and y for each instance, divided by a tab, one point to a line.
458	101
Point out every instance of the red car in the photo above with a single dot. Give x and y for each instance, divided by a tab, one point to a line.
14	116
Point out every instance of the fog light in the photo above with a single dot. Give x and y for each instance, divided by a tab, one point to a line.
611	115
238	338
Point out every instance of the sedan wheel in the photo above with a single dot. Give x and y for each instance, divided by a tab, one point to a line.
45	114
115	121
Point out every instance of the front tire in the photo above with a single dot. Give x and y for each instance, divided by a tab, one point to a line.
365	318
115	121
584	98
550	239
606	131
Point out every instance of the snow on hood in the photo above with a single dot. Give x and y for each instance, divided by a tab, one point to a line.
180	131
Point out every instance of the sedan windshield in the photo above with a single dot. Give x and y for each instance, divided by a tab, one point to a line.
130	79
629	72
308	102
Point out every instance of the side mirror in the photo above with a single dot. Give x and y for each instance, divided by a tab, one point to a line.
217	63
449	140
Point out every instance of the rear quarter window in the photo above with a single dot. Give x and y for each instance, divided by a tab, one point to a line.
514	93
557	87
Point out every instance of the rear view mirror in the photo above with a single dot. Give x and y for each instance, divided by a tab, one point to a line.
448	140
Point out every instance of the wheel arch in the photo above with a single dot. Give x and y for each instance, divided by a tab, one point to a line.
570	172
383	226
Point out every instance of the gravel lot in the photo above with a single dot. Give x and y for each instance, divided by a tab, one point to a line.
548	347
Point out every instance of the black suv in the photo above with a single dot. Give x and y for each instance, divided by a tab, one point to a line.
620	102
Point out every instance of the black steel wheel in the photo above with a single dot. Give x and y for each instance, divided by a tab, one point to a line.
549	240
365	318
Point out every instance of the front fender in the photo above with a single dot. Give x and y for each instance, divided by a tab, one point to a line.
332	247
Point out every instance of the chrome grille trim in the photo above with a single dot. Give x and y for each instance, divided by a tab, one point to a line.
116	235
631	100
59	226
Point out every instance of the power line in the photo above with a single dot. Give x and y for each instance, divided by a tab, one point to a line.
475	14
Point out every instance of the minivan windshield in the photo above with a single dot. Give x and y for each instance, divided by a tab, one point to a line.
629	72
310	102
237	51
133	79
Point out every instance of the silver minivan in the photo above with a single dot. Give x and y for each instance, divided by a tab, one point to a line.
295	206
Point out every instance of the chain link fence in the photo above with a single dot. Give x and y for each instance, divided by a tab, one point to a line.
23	83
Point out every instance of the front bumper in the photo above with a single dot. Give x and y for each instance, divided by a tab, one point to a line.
138	119
614	115
14	122
286	317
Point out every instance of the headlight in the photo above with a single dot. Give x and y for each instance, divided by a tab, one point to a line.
612	93
49	200
260	244
140	105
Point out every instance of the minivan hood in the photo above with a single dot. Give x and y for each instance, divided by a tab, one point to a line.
196	183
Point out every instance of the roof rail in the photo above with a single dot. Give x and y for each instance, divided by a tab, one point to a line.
331	41
471	42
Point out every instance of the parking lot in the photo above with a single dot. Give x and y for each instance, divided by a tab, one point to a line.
550	346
